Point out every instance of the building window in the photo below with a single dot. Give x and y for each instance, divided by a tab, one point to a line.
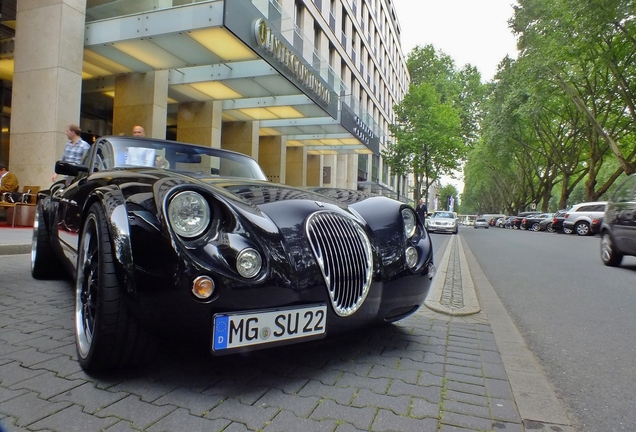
363	163
298	21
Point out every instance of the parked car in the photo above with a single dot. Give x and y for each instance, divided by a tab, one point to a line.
500	222
481	223
618	230
579	216
491	218
207	246
516	222
532	222
548	223
509	222
442	221
595	226
557	222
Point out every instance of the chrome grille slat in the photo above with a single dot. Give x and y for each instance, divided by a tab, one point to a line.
344	255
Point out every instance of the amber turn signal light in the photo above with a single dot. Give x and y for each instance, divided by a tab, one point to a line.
203	287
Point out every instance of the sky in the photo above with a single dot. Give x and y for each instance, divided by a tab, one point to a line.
469	31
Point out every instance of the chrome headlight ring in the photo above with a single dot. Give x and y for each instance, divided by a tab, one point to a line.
189	214
410	222
249	263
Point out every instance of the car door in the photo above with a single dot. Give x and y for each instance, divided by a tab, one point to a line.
70	200
623	216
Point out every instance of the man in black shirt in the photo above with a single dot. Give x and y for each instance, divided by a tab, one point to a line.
421	210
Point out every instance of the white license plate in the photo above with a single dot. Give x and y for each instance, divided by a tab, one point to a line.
253	328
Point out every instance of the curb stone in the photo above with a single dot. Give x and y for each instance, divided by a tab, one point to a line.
453	291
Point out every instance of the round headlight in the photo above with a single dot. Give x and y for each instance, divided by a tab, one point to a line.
189	214
408	216
411	256
249	263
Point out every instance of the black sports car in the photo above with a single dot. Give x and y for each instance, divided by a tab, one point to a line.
165	238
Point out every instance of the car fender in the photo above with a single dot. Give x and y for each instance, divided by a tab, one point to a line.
114	205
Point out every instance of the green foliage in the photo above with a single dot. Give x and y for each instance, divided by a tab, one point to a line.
445	193
436	121
559	122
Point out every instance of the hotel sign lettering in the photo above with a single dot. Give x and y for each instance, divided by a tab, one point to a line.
354	124
253	26
268	40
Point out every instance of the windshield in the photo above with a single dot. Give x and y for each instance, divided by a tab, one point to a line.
126	152
444	215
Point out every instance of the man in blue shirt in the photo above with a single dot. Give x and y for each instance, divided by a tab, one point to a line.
75	148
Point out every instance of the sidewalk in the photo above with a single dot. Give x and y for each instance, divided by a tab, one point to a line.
457	365
15	240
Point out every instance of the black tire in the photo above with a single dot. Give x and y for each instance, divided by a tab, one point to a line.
549	228
535	226
106	335
567	230
609	254
44	265
582	229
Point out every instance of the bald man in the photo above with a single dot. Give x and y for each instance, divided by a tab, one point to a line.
138	131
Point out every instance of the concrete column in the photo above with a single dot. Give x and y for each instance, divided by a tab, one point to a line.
141	99
272	157
296	166
241	137
314	170
352	172
47	84
200	123
330	165
341	172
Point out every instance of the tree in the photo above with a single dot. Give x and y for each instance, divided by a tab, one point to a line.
448	194
436	120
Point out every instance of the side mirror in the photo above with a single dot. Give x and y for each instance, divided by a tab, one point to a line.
69	169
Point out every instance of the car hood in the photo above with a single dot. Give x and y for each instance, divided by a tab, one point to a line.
272	207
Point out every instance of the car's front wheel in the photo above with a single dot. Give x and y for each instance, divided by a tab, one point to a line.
44	265
567	230
582	228
106	335
609	255
535	226
549	228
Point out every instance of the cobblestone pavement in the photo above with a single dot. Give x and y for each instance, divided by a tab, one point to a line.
429	372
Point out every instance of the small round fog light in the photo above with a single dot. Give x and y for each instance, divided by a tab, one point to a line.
248	263
411	256
203	287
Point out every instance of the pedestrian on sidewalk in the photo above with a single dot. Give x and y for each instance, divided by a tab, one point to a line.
422	210
75	148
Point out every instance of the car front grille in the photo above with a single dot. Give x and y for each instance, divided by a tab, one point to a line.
343	252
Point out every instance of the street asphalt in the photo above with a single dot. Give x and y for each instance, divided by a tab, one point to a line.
458	364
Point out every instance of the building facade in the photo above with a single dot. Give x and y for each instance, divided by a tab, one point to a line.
306	87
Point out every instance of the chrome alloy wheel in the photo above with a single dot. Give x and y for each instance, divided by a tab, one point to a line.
610	255
582	229
87	287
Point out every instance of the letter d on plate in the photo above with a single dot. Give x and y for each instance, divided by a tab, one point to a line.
220	332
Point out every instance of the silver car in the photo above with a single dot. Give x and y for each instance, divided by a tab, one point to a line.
481	223
442	221
579	217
